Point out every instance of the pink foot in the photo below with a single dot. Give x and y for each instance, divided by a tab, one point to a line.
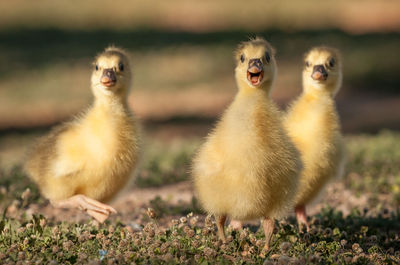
96	209
236	225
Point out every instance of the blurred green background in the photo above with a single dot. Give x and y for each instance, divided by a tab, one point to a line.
182	60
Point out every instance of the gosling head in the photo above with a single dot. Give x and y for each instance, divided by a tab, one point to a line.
111	75
322	71
255	64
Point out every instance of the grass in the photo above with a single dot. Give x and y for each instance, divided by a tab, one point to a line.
375	166
365	236
166	164
354	239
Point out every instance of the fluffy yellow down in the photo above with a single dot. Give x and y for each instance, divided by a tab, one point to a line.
248	167
313	124
94	154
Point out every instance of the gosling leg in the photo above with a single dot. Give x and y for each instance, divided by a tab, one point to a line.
301	216
220	225
268	225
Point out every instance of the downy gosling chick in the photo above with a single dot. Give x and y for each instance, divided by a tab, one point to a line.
84	163
313	124
248	167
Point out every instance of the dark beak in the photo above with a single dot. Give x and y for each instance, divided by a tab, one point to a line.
108	78
319	73
255	71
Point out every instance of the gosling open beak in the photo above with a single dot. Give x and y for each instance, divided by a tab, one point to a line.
319	73
108	79
255	72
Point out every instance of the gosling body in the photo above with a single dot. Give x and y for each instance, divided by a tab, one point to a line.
92	156
313	124
248	167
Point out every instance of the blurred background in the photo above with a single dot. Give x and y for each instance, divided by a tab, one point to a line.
183	65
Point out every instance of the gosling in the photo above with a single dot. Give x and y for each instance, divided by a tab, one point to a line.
313	124
85	162
248	167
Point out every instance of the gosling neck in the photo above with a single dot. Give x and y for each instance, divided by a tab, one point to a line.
246	89
328	88
113	102
317	92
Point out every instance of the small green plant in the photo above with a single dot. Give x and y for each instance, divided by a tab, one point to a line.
192	239
170	233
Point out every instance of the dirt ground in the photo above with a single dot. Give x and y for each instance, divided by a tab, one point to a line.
132	205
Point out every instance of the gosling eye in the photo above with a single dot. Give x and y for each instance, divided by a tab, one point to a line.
331	62
121	67
307	64
96	67
267	57
242	58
